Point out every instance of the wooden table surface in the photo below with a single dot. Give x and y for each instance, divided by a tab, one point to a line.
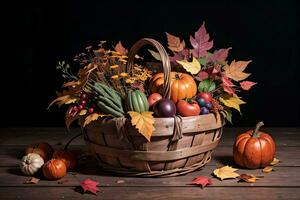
282	183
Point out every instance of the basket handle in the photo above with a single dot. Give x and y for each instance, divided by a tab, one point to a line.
164	57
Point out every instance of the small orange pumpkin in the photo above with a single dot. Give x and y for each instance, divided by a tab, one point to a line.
54	169
182	85
67	156
43	149
254	149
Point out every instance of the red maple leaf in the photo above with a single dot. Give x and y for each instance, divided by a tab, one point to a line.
203	181
182	55
219	55
246	85
203	75
228	85
201	42
90	185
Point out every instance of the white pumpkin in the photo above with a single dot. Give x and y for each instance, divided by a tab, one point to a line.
31	163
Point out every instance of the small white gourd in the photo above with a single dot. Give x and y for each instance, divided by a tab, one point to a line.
31	163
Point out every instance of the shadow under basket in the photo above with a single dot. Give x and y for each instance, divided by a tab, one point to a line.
133	155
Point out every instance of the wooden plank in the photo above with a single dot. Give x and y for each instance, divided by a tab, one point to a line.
222	155
25	136
156	193
281	177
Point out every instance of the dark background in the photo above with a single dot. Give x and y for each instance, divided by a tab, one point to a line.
40	35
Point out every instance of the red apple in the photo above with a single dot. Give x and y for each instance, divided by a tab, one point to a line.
206	96
153	98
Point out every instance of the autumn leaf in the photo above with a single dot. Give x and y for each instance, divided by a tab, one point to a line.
227	85
182	55
235	70
232	101
71	116
32	180
174	43
120	49
89	185
202	75
193	67
200	42
71	84
155	55
143	122
227	114
219	55
202	181
249	178
65	99
225	172
207	85
93	117
275	161
82	112
267	169
246	85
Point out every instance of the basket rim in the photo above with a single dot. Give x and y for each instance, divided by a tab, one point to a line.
164	126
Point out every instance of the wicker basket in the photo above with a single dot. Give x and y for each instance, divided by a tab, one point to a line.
178	145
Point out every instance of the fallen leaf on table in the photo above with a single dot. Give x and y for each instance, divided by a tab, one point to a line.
32	180
143	122
203	181
249	178
267	169
275	161
120	181
225	172
90	185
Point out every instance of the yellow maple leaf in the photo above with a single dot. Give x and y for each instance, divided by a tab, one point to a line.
93	117
193	67
143	122
232	101
275	162
235	70
267	169
225	172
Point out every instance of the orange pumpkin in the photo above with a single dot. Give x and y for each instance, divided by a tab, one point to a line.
54	169
66	156
254	149
43	149
182	85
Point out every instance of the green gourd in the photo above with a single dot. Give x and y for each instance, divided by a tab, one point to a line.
137	101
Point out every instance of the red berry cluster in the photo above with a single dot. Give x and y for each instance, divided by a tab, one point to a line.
85	103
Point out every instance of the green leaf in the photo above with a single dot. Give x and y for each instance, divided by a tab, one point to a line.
155	55
207	85
228	115
202	61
